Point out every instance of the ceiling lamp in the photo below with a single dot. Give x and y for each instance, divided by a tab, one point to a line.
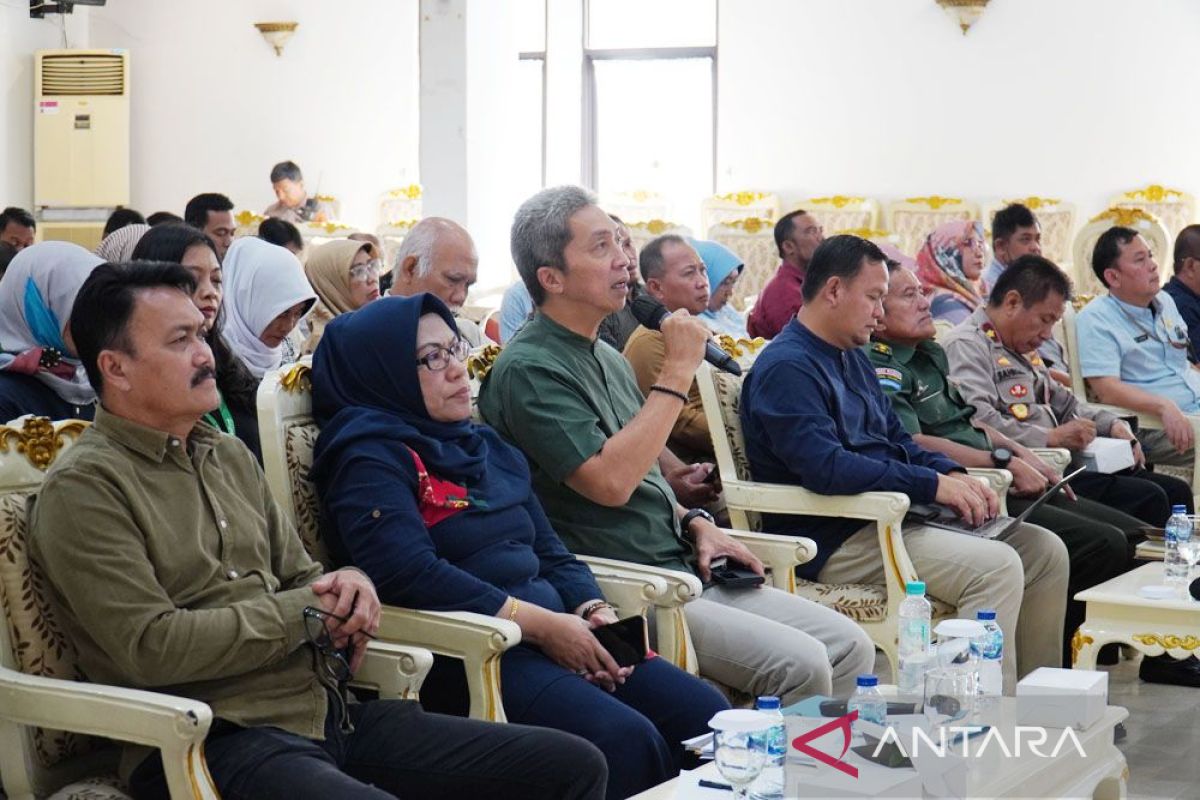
277	33
965	12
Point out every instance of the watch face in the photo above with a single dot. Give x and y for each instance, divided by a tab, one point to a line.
1002	455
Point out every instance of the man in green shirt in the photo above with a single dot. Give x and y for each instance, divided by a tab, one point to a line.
913	372
176	572
596	448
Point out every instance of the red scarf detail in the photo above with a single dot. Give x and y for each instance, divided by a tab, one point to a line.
438	499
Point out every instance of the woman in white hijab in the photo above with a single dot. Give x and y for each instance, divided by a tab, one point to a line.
266	295
118	246
39	372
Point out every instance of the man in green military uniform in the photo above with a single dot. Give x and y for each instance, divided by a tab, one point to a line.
913	371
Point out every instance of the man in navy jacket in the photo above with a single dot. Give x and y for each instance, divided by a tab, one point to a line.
814	415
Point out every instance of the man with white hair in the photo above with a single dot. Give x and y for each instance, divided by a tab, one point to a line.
438	256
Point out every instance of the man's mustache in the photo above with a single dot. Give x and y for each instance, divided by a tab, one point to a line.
203	374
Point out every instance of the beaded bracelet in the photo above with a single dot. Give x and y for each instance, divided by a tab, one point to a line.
667	390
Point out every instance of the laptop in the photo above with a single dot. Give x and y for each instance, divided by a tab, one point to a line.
937	515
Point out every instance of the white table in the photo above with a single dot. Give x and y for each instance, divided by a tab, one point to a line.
1101	775
1117	613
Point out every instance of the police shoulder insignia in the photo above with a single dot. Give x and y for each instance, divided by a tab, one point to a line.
988	330
1003	361
1036	360
1019	410
880	347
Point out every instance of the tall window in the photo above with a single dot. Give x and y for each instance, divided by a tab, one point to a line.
528	98
650	102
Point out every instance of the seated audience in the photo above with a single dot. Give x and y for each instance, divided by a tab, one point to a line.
594	445
676	276
39	370
814	416
913	372
1184	286
237	413
395	425
282	233
118	246
266	297
724	268
292	202
1133	346
1015	233
618	326
213	214
162	218
797	235
994	364
949	265
344	276
196	583
17	227
383	276
121	217
438	256
516	307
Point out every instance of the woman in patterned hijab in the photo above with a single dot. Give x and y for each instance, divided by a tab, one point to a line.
949	265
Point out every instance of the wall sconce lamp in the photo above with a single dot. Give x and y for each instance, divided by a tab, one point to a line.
965	12
277	33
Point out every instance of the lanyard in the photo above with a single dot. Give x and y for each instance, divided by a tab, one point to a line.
226	425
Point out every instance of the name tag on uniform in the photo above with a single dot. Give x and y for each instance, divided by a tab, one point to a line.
1142	338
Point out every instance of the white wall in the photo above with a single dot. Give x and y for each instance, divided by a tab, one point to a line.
20	36
1075	99
214	108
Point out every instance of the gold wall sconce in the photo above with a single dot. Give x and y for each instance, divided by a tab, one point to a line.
277	33
965	12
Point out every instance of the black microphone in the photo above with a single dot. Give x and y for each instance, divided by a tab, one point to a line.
651	313
1194	589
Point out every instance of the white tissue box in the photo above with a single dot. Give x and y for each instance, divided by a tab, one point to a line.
1062	698
1106	454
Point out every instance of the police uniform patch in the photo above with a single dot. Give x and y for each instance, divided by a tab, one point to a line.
1003	361
1036	360
888	378
1018	390
880	347
1019	410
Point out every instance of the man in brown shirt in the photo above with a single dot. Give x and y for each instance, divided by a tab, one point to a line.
797	235
176	572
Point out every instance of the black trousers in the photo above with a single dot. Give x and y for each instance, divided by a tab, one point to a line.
1100	544
1138	493
396	750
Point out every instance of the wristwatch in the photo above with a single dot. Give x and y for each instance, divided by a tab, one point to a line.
686	522
1001	457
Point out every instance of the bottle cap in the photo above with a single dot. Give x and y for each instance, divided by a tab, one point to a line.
867	680
1178	510
915	587
767	702
985	614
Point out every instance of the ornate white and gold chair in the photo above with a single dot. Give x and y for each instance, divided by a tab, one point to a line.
753	239
55	728
400	205
1175	208
1142	221
288	433
875	607
643	232
738	205
637	205
843	213
247	223
915	218
1056	218
392	234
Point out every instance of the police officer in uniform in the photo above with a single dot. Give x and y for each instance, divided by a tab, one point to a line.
912	370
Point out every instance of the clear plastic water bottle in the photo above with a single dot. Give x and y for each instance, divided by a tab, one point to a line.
769	784
1179	528
915	639
989	649
868	701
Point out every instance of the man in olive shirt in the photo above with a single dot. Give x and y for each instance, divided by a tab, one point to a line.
594	446
176	572
913	373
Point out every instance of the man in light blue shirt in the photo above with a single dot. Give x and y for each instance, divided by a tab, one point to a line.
1133	345
515	309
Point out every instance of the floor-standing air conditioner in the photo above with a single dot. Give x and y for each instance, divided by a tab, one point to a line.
80	139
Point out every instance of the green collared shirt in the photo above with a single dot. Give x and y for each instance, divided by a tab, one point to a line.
177	572
560	397
916	381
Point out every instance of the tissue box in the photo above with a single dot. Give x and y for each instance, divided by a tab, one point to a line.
1062	698
1106	454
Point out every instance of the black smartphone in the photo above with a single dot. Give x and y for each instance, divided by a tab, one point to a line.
712	476
733	574
625	640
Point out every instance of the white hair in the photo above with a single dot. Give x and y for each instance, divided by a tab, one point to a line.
419	244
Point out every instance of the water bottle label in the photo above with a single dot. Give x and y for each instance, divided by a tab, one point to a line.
914	637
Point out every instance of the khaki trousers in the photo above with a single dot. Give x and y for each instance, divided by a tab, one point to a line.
766	641
1024	578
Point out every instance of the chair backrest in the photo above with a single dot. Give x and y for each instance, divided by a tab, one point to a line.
1056	218
247	223
838	213
392	234
1176	209
1144	222
738	205
638	205
288	433
641	233
1070	342
914	218
32	638
721	394
400	207
753	239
